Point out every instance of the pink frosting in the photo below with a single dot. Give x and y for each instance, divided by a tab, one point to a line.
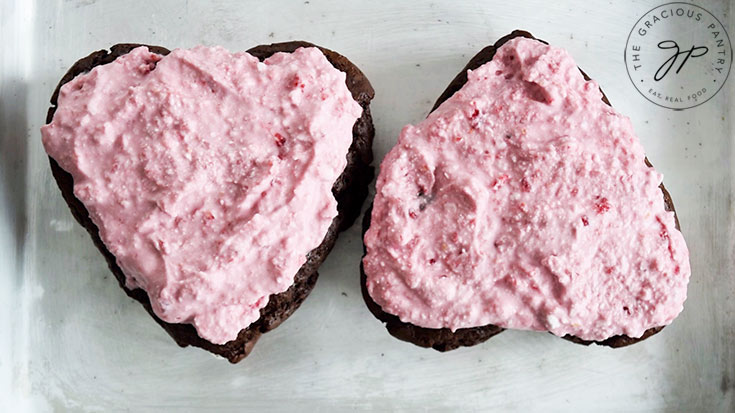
524	201
209	174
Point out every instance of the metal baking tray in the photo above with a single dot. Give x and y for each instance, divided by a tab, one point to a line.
71	340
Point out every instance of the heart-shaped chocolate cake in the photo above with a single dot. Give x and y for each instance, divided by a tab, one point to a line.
523	201
214	183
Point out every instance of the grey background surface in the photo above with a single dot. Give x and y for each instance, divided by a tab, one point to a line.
71	340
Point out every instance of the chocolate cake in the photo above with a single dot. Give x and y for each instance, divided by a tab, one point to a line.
444	339
350	190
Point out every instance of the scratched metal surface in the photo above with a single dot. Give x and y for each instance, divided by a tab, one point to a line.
71	340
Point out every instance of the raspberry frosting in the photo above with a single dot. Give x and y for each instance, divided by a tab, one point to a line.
208	174
524	201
